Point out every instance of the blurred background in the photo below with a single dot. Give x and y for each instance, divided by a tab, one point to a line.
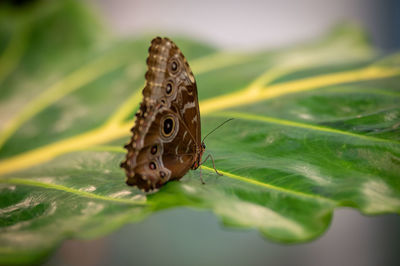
189	237
252	24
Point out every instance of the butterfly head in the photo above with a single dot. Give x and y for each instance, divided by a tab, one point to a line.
203	146
200	151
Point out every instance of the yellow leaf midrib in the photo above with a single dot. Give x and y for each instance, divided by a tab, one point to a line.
258	93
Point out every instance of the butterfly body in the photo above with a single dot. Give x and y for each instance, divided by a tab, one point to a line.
166	140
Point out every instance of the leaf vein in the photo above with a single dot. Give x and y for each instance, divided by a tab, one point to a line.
22	181
272	120
269	186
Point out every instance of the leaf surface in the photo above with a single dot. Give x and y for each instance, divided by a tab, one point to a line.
316	127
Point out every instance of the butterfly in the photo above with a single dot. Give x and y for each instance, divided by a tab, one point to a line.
166	140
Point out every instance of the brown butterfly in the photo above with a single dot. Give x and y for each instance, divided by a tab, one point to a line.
166	139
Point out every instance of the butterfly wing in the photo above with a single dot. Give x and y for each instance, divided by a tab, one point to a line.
169	79
166	134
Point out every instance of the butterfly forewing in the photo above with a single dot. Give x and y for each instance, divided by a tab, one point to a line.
166	136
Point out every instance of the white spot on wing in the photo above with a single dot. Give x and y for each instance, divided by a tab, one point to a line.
188	146
156	69
156	84
187	106
194	119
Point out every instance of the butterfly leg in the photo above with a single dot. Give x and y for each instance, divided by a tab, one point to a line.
201	178
213	163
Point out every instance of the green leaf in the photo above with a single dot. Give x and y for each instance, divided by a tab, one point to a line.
316	127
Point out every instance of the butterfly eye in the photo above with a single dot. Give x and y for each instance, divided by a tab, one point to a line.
152	166
154	149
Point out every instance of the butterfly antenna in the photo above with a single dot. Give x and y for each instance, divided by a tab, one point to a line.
226	121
